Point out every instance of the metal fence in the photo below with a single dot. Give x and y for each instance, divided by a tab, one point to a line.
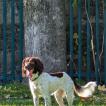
11	39
92	37
94	32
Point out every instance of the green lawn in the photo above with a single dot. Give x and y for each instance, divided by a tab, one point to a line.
17	94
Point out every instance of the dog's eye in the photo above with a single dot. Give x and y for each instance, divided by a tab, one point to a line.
29	66
24	72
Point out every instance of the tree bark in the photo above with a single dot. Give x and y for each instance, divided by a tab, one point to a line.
44	23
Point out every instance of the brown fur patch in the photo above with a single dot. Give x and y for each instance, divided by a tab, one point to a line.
23	66
30	63
84	98
78	87
38	65
57	74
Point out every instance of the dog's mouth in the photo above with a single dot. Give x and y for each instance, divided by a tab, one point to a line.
32	75
29	73
29	69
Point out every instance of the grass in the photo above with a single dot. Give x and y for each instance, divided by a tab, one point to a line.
18	94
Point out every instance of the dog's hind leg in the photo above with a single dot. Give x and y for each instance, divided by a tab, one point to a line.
70	97
59	97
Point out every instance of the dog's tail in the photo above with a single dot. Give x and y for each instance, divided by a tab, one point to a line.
85	91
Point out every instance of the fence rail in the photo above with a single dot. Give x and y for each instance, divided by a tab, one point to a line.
105	40
12	37
93	39
91	31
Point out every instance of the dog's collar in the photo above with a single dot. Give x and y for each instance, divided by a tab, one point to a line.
35	77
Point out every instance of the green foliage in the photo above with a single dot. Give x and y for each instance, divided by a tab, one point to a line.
75	2
14	90
75	6
18	94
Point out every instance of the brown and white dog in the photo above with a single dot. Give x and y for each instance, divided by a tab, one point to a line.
58	84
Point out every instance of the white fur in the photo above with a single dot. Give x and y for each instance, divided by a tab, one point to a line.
46	85
87	90
42	83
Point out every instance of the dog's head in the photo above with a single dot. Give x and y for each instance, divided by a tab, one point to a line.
30	66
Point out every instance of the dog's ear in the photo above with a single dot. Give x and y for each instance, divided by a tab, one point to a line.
39	67
23	66
23	70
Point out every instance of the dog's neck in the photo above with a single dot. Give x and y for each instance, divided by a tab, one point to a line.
35	76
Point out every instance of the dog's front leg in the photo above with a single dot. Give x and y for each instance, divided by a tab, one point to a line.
34	94
47	97
46	94
36	101
47	100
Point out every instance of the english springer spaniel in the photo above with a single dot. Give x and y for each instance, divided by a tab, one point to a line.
58	84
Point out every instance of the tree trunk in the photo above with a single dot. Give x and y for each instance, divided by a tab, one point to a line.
45	32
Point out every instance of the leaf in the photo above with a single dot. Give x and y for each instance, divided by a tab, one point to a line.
1	87
7	96
75	35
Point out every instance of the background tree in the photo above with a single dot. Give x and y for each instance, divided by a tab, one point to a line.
45	32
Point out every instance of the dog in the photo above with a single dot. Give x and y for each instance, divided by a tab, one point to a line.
58	84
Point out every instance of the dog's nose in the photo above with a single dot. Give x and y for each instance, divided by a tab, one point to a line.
28	67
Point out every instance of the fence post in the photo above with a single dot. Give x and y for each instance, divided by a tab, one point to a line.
97	42
12	40
88	40
105	41
4	40
79	39
71	38
21	33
